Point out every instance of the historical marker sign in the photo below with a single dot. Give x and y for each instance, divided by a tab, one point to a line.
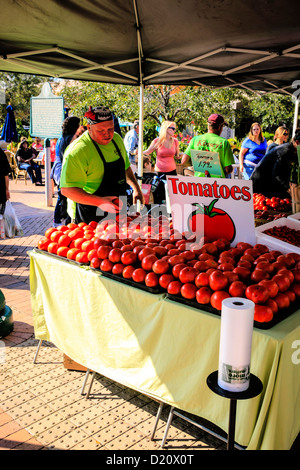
46	114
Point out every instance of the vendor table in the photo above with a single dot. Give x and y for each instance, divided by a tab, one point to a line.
165	349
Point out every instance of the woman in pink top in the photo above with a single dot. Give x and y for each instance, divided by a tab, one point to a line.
167	149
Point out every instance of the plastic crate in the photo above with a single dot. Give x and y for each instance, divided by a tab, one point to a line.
274	243
295	217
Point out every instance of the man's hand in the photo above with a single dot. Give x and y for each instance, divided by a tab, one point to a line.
111	204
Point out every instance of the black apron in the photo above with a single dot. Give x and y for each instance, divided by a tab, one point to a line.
113	184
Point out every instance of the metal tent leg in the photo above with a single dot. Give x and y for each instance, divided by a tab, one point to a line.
170	417
158	414
37	351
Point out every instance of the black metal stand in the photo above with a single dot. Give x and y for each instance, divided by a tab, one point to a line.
254	389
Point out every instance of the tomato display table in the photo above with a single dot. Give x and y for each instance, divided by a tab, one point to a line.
165	349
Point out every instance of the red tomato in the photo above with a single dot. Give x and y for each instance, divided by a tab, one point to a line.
243	273
99	242
262	313
160	250
291	295
174	287
151	280
177	268
273	305
203	295
106	265
92	254
82	257
128	257
160	266
72	252
295	287
231	276
226	267
52	247
218	281
257	293
138	275
127	271
237	289
217	298
165	279
202	280
201	266
93	224
258	275
148	261
95	262
54	237
265	266
287	272
243	246
283	282
49	231
145	252
271	287
43	243
87	245
115	255
62	251
188	291
118	269
76	233
188	274
103	251
282	300
176	259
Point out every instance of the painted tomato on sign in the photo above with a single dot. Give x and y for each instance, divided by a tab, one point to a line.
216	222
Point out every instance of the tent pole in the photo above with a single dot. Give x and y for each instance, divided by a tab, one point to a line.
296	116
140	148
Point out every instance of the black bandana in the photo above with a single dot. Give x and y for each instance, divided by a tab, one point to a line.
99	114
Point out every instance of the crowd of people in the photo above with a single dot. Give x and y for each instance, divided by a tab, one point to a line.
93	165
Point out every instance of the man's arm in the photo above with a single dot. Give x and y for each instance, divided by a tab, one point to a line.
82	197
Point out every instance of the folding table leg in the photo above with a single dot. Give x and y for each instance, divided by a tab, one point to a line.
90	387
37	351
156	420
170	417
85	381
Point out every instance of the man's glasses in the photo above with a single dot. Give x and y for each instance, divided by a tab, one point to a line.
285	133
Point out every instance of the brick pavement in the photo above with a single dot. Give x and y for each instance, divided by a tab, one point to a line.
41	407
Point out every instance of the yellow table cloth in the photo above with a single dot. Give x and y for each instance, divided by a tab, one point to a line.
165	349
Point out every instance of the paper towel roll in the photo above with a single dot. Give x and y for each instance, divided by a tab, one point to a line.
237	317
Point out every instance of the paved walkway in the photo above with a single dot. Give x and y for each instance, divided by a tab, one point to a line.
41	407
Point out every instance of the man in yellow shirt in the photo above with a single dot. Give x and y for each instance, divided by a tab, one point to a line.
96	169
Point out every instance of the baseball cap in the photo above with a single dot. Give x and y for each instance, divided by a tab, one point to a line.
98	114
217	119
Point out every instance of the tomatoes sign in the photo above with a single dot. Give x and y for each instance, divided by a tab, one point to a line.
214	208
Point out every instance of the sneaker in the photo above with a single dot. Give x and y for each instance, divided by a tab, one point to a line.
55	224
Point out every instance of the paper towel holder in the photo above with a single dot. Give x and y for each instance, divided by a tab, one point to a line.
254	389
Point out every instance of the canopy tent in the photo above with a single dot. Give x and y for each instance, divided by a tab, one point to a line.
253	45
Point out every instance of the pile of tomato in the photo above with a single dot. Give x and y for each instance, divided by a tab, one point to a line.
204	273
285	233
263	203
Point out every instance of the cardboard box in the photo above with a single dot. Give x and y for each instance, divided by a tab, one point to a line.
72	365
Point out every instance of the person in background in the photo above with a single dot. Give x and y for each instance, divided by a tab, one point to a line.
212	142
166	147
253	149
271	177
69	128
25	157
37	145
131	142
96	169
79	132
5	170
281	136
